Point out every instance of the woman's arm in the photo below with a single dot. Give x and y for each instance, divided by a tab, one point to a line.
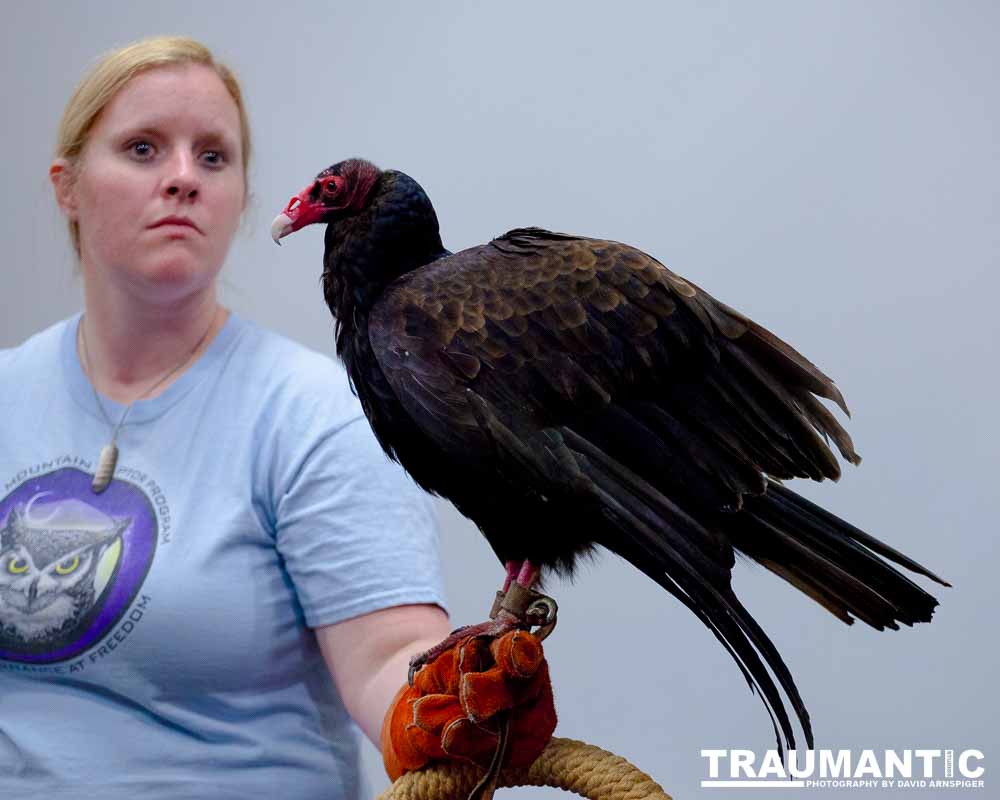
369	656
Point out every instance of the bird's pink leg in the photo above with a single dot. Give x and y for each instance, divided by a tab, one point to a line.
528	575
513	568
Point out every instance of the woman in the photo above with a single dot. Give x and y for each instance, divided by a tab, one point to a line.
170	626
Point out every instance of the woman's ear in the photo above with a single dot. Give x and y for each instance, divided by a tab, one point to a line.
62	177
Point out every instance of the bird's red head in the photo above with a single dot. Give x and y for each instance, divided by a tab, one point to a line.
341	189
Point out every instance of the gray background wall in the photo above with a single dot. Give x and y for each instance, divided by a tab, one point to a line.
830	169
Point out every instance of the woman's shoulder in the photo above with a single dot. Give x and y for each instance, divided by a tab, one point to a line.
285	360
291	373
41	347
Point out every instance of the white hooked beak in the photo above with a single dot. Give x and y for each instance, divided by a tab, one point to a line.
282	226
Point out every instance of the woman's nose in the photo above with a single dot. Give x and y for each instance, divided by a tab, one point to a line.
182	178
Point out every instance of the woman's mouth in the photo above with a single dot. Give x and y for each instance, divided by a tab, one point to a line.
174	221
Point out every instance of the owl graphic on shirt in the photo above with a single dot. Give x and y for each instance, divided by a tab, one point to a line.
55	561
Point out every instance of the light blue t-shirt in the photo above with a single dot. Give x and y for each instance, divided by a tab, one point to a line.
155	639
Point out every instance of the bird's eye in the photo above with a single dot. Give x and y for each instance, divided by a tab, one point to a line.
67	566
331	186
17	566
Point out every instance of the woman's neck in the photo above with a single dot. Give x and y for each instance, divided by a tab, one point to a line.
134	353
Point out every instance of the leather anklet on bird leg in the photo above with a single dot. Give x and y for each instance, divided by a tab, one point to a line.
532	609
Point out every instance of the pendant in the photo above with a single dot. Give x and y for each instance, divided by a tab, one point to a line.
105	467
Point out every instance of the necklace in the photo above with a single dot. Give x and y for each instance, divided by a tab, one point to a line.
108	459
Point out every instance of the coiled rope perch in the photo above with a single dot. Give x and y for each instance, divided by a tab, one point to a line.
566	764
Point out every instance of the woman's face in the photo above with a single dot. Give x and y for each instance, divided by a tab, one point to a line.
159	187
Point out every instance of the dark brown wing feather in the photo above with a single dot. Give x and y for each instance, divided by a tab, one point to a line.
548	329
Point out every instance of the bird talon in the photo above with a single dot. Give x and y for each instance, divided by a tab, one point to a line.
416	662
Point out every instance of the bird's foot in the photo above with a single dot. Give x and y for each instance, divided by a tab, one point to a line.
518	607
492	627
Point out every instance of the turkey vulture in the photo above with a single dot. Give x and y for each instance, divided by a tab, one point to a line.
566	392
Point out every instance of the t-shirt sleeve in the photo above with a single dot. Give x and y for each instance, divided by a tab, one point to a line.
355	532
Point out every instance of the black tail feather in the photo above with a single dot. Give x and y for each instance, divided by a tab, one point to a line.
866	539
830	560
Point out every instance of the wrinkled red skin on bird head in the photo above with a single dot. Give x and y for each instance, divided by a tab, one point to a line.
341	192
305	208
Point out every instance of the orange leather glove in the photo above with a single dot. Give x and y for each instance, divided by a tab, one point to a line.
450	711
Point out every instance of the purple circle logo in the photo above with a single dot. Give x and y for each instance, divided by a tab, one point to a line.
71	562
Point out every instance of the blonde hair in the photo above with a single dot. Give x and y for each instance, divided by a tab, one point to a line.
115	69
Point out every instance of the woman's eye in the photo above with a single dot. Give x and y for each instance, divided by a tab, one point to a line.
215	158
141	150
